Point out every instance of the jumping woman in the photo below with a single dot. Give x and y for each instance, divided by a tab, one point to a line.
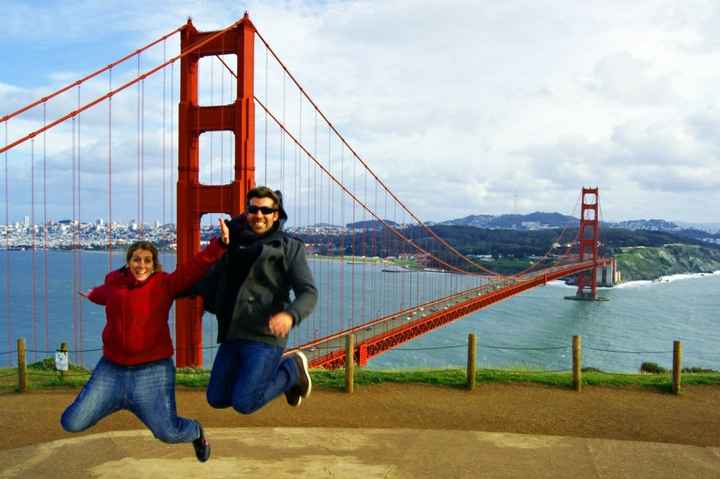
136	371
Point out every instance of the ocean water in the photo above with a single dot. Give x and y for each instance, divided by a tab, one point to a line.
533	330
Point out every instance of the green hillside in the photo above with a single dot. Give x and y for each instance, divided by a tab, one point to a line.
647	263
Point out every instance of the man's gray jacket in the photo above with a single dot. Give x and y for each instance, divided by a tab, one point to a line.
280	267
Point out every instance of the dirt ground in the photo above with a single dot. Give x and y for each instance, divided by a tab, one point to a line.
597	412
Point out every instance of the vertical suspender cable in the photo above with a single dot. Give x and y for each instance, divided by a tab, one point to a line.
312	191
282	135
401	281
341	308
173	157
222	149
173	149
212	133
265	181
142	159
231	138
163	182
78	254
386	240
8	323
298	155
298	168
352	251
376	306
222	142
33	306
45	232
137	154
110	217
73	290
331	285
363	253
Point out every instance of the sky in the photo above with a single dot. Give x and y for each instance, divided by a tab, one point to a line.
462	107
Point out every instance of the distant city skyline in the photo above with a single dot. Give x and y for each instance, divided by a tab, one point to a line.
489	108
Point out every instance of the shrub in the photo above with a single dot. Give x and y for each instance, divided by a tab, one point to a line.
698	370
652	368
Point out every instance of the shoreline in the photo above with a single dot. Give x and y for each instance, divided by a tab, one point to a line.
643	282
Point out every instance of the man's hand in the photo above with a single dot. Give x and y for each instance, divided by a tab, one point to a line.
84	294
224	232
281	324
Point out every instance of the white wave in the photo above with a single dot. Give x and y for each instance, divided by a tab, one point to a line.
680	277
634	284
666	279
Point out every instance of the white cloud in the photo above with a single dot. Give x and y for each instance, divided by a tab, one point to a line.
465	107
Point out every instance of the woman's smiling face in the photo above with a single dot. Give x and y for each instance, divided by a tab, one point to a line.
141	264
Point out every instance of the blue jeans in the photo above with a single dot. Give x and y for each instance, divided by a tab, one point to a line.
248	374
147	390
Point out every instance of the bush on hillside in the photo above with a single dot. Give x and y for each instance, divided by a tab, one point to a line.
652	368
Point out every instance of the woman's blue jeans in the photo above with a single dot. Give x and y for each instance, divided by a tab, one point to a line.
146	390
248	374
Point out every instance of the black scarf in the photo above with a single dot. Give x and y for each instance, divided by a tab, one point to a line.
244	249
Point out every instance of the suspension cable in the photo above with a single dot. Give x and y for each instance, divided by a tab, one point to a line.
384	223
117	90
317	162
87	77
547	253
357	156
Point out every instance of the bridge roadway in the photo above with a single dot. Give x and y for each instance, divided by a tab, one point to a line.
387	332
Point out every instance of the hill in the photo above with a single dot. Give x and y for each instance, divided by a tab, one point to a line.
521	247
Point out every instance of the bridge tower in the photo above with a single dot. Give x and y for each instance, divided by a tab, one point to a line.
195	199
588	238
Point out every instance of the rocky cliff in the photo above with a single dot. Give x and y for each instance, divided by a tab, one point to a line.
647	263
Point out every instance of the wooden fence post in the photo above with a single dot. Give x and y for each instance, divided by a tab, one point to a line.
677	366
577	362
22	369
349	363
471	361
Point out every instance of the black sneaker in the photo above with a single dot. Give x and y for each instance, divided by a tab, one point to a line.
202	448
302	389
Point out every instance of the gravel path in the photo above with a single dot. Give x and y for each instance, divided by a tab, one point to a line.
692	418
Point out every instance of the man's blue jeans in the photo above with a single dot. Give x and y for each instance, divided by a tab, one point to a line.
146	390
248	374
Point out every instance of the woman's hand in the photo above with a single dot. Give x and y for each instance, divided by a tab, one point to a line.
84	294
224	232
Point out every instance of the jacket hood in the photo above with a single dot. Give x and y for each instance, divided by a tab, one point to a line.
282	218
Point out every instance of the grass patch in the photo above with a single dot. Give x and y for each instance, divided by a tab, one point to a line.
44	377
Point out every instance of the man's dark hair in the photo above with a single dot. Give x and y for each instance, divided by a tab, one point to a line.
264	192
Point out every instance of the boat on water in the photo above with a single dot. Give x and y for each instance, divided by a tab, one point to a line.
396	270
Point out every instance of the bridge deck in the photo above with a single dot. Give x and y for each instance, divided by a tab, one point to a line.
387	332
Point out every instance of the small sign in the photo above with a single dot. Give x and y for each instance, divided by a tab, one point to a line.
61	360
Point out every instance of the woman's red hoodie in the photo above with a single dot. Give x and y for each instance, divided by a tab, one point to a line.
137	311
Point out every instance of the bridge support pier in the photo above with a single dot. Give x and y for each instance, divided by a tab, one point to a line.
588	239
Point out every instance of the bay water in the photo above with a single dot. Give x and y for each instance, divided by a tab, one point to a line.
533	330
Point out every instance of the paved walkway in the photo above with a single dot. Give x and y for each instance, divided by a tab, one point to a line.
269	453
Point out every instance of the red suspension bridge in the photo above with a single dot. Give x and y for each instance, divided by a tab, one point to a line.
115	139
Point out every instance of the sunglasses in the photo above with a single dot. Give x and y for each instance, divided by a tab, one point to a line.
266	210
